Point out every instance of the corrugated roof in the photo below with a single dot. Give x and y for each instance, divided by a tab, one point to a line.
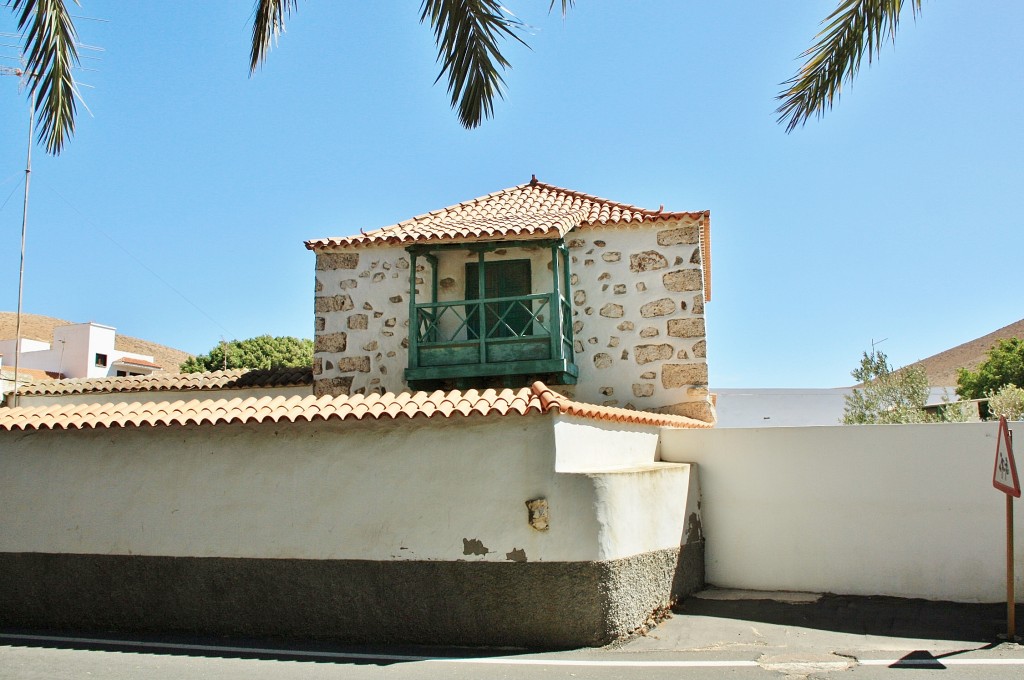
535	399
214	380
532	210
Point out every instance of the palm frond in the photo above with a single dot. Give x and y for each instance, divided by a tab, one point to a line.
467	33
49	52
566	6
854	29
267	25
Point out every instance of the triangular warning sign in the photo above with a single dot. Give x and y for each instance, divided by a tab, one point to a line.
1004	477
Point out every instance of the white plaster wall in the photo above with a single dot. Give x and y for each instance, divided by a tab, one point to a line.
325	491
645	508
903	510
375	491
587	445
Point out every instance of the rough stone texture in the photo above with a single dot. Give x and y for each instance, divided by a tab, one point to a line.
686	328
330	342
579	297
649	332
378	277
648	375
641	286
643	389
602	360
619	289
318	366
333	386
320	323
326	261
682	375
370	346
649	260
645	354
662	307
695	258
700	410
317	286
682	280
357	322
626	326
686	234
611	257
698	304
348	284
395	299
511	603
334	303
612	311
352	364
700	350
576	243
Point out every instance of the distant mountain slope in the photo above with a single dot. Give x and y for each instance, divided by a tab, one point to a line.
941	367
38	327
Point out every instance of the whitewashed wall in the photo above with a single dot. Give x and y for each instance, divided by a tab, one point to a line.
903	510
422	490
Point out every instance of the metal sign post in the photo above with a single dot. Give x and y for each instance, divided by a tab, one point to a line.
1004	478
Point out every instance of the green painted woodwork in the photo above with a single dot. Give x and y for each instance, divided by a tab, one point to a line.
507	332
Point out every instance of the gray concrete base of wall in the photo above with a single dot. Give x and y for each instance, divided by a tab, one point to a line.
531	604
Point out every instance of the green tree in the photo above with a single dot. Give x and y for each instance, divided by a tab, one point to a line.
262	351
468	34
1004	366
886	396
1007	401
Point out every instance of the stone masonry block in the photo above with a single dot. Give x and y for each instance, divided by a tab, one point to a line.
334	303
337	261
682	280
686	328
649	260
333	386
685	234
330	342
683	375
645	354
662	307
351	364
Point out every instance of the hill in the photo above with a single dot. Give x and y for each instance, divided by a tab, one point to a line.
38	327
941	367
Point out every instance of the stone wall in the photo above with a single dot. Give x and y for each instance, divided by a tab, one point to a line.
638	315
361	331
638	318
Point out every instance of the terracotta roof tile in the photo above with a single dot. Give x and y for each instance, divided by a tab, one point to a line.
214	380
536	399
533	210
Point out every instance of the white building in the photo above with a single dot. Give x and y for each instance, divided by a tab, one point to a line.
81	350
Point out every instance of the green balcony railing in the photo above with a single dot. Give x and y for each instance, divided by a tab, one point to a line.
506	336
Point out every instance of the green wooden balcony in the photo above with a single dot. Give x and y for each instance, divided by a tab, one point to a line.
513	337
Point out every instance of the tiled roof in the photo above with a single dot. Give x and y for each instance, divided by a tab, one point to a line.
136	362
532	210
215	380
535	399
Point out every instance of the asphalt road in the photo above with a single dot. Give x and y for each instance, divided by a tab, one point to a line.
718	635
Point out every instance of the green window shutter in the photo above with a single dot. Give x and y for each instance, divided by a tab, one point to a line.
502	278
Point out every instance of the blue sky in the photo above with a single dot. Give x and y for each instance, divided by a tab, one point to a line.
179	210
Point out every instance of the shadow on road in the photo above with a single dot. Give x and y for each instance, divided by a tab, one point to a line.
882	616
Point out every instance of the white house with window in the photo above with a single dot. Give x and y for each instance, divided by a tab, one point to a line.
81	350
